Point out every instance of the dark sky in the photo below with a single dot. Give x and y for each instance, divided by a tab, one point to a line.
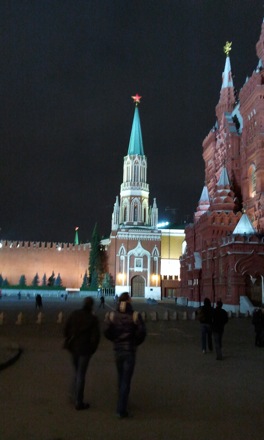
68	70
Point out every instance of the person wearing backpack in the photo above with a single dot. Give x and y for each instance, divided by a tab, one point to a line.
126	329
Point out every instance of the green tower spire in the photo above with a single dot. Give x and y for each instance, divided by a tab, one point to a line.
136	142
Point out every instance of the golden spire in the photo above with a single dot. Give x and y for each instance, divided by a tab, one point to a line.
227	47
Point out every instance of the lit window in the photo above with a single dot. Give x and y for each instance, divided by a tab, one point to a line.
252	180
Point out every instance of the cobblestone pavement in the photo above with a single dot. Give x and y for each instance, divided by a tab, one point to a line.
177	392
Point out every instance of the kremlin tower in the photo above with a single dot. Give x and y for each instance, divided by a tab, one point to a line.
135	241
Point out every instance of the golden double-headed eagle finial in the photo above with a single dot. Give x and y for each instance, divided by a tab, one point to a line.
228	48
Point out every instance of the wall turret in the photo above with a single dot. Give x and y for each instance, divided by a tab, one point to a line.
115	215
154	214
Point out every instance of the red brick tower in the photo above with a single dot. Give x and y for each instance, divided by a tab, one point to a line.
252	141
224	254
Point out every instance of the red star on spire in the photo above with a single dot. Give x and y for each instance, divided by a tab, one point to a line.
136	98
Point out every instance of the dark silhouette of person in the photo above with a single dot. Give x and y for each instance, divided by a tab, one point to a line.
126	329
38	301
205	315
220	318
102	302
258	322
82	336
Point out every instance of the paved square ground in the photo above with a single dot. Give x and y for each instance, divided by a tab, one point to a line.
177	392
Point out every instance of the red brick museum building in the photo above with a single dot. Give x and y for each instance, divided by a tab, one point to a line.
224	255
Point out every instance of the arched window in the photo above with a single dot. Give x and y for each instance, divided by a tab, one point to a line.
122	254
128	172
136	171
135	213
145	215
252	180
143	172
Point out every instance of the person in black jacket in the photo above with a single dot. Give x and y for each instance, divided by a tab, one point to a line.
220	318
126	329
205	314
258	322
82	335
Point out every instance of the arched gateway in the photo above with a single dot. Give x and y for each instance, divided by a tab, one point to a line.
251	266
254	289
138	286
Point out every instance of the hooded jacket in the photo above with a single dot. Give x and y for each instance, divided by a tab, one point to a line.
125	328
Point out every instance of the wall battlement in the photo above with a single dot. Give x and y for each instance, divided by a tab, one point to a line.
44	245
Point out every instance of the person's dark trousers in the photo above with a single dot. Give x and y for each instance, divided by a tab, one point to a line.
259	338
206	332
80	364
125	363
218	344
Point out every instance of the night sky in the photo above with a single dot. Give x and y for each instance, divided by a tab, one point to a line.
68	70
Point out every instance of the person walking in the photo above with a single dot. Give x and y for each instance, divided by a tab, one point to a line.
82	336
102	302
205	314
258	322
38	301
126	329
220	318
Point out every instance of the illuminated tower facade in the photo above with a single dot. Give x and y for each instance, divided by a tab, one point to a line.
135	241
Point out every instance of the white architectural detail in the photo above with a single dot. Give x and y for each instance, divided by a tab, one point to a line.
115	215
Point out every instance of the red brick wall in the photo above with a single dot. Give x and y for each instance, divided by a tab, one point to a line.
18	258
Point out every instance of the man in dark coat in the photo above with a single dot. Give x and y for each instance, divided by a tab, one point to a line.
220	318
38	301
102	302
205	314
258	322
82	335
126	329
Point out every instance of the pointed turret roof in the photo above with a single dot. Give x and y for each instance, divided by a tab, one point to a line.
76	238
244	226
205	195
227	94
227	75
259	45
136	142
203	205
223	199
117	202
223	179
